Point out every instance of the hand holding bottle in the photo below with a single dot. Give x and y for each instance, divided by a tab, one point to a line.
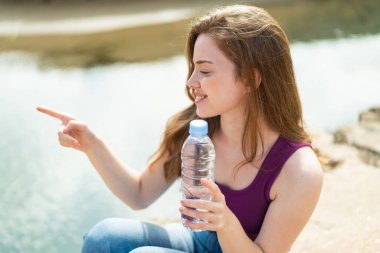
215	213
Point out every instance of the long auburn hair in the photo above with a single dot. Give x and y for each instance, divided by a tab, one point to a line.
254	42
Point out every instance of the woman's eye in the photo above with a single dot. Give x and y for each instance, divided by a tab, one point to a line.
205	72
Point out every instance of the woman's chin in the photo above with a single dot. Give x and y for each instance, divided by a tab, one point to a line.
204	115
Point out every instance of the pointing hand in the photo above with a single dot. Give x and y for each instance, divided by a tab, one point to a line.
73	133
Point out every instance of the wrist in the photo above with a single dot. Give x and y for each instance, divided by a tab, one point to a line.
230	225
95	144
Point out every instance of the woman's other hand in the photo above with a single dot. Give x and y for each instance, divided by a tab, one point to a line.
218	216
73	133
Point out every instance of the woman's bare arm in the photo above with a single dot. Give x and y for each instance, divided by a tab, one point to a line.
137	189
296	193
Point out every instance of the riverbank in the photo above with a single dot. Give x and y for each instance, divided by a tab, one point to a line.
84	34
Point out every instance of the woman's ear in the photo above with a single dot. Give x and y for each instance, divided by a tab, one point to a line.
257	78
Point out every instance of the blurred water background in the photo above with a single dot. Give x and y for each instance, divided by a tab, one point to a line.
50	196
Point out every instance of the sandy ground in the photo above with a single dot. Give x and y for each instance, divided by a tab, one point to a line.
347	218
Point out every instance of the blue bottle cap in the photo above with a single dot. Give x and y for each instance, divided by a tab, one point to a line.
198	127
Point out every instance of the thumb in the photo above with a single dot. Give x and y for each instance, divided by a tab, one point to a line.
214	189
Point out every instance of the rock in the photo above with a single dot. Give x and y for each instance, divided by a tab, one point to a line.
364	136
331	154
372	115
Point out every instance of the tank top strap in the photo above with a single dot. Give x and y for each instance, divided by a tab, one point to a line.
275	160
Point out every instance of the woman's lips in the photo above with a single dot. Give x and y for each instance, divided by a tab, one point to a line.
199	98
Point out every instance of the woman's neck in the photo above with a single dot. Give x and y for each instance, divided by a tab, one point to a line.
232	128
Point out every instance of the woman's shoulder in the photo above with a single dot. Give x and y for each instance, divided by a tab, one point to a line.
303	169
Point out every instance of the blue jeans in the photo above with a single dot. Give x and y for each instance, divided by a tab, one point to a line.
126	235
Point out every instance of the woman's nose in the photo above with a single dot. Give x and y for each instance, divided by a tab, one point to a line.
193	82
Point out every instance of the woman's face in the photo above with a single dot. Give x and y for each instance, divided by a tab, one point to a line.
217	90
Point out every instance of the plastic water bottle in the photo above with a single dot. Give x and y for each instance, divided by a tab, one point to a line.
198	160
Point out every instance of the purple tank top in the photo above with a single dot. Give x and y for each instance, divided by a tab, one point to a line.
251	203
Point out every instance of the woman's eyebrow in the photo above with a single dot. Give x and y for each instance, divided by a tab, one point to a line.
203	61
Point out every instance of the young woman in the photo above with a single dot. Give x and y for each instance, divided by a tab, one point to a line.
268	179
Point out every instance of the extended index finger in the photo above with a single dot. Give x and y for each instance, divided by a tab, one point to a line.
55	114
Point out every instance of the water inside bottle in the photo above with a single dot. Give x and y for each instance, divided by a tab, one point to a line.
197	156
196	191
